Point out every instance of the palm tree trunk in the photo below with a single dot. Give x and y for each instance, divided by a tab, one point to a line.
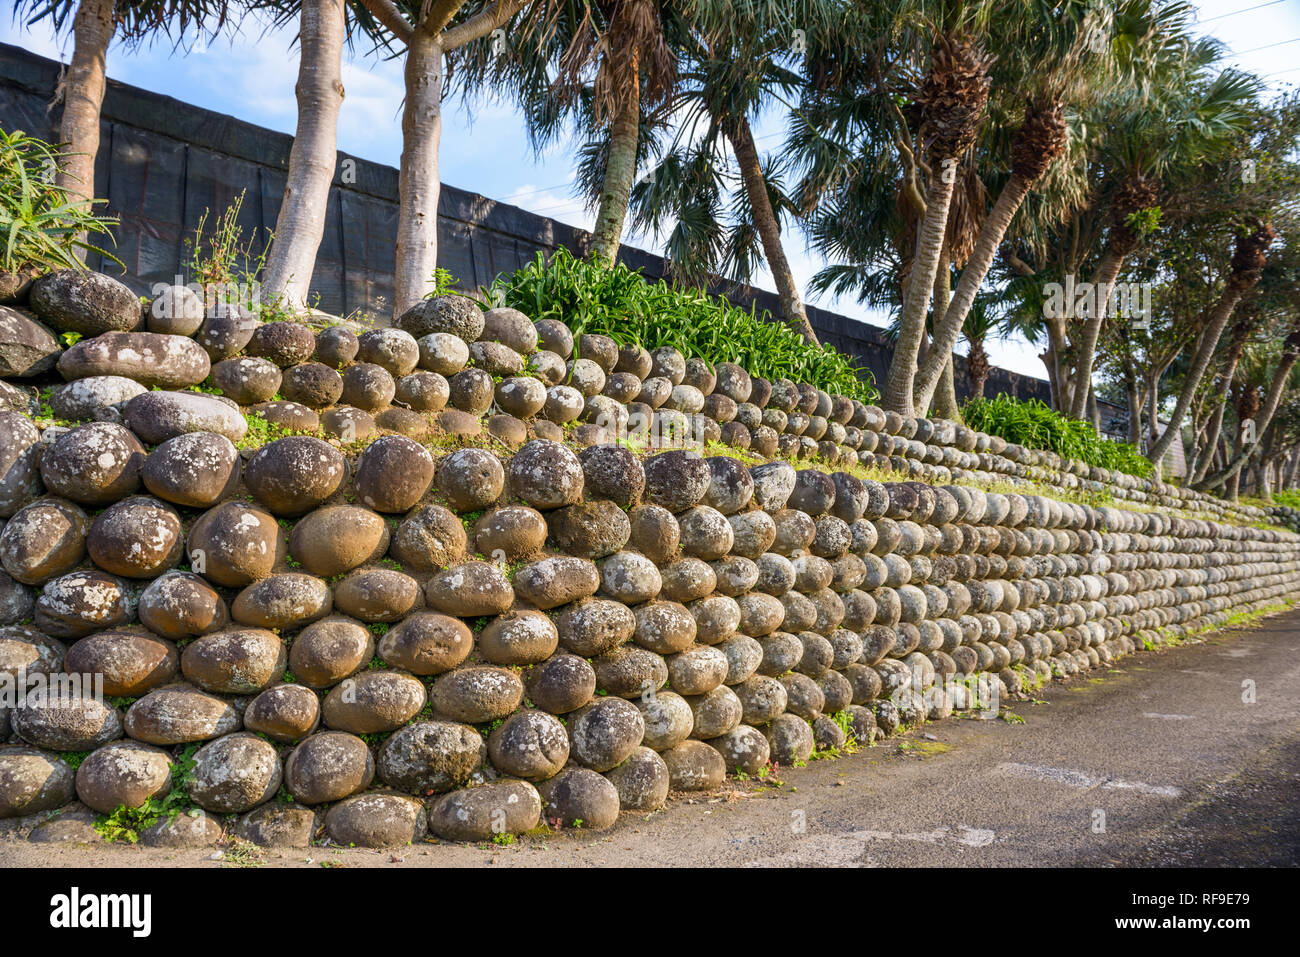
1200	362
945	396
1215	428
418	186
1134	410
1134	398
1107	271
620	171
945	400
897	393
1053	360
83	96
977	367
769	230
1263	418
948	328
301	222
1153	414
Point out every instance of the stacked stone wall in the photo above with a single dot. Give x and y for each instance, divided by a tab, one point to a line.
473	573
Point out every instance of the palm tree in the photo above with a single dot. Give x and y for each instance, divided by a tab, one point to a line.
721	87
425	32
1247	263
1146	95
1194	120
883	135
1268	372
982	321
1269	378
94	24
1055	61
951	101
1218	401
607	72
1265	316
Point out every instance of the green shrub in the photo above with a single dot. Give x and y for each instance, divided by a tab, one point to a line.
618	302
1035	425
42	228
1288	498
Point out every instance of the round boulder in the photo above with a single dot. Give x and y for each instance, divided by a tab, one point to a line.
150	358
234	774
328	651
131	663
234	661
604	734
546	475
32	781
195	470
138	537
285	713
328	766
331	541
177	714
123	773
43	540
694	766
293	475
426	643
393	473
430	757
532	745
93	464
481	813
579	797
371	702
74	300
282	602
642	781
376	820
235	544
476	694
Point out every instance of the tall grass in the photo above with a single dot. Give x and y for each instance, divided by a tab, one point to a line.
618	302
1035	425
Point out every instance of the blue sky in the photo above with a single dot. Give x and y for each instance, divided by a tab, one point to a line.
251	76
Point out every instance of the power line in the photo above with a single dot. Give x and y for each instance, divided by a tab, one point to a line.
1267	46
1258	6
542	189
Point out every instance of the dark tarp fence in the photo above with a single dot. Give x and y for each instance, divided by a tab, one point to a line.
163	163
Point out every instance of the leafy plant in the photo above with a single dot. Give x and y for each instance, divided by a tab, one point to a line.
619	302
42	227
1037	426
126	823
444	283
1288	498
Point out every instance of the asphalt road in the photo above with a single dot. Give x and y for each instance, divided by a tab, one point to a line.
1158	761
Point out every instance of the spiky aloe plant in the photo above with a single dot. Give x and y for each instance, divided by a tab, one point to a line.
42	226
